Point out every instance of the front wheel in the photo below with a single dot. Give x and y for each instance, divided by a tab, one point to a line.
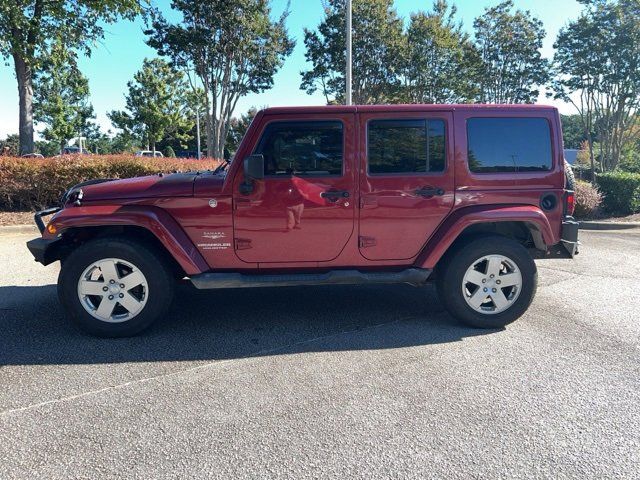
487	282
114	287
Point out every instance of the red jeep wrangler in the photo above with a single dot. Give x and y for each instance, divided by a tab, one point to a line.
465	195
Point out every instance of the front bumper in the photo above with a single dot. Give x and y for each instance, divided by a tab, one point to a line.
43	250
43	213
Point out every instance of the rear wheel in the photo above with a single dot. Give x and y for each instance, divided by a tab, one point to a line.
487	282
114	287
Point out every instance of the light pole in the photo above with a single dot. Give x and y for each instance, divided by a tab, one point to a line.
198	128
349	54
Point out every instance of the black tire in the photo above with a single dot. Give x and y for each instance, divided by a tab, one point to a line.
159	291
452	268
569	177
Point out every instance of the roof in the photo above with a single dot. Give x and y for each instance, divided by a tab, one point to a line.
402	108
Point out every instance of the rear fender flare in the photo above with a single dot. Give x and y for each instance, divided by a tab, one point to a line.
154	219
535	220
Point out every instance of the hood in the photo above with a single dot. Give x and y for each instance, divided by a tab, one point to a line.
151	186
208	184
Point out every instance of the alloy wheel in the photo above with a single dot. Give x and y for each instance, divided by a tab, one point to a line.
113	290
492	284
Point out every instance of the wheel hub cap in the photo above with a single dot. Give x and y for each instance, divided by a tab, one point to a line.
492	284
113	290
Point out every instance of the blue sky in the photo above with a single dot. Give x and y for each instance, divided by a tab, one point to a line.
116	58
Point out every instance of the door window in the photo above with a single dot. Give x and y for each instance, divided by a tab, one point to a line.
302	148
406	146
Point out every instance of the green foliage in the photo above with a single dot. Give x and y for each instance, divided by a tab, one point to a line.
48	148
10	146
630	160
621	192
234	47
597	68
509	45
169	153
31	184
28	27
441	63
156	105
62	97
588	199
573	132
378	50
238	128
434	61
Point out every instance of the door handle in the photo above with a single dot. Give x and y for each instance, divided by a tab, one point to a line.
334	195
429	192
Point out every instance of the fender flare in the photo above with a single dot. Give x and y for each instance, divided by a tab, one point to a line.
449	231
154	219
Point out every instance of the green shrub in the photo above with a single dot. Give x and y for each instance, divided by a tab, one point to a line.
588	199
169	153
621	191
32	183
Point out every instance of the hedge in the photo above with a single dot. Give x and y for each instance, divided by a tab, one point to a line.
35	183
621	191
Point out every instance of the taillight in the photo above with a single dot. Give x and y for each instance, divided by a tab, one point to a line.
569	202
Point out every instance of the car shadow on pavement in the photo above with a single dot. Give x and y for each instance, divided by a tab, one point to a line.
237	323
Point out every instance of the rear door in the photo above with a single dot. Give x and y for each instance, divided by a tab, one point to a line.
303	210
407	185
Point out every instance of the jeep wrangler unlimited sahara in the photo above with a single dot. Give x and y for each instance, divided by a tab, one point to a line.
465	195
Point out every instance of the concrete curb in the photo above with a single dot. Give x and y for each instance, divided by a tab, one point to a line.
18	229
609	225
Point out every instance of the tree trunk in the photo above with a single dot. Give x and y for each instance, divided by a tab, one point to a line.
25	94
209	127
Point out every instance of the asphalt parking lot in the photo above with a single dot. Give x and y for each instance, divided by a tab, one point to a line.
329	382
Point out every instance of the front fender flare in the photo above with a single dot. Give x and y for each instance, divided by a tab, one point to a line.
460	219
154	219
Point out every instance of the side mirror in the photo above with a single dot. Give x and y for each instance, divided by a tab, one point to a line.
254	167
253	170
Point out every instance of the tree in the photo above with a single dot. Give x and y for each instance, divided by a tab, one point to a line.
597	65
573	131
61	101
441	63
238	128
575	66
156	104
378	49
509	45
26	30
10	146
234	48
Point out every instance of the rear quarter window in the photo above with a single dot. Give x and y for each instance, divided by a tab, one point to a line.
508	144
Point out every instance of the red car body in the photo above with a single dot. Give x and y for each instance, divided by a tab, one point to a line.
208	223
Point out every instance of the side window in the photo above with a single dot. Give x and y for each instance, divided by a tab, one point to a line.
406	146
302	148
508	144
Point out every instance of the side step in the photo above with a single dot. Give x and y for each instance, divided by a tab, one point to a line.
412	276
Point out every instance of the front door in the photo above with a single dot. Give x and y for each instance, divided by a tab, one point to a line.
408	188
303	210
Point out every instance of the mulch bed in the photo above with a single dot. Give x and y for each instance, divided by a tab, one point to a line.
16	218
